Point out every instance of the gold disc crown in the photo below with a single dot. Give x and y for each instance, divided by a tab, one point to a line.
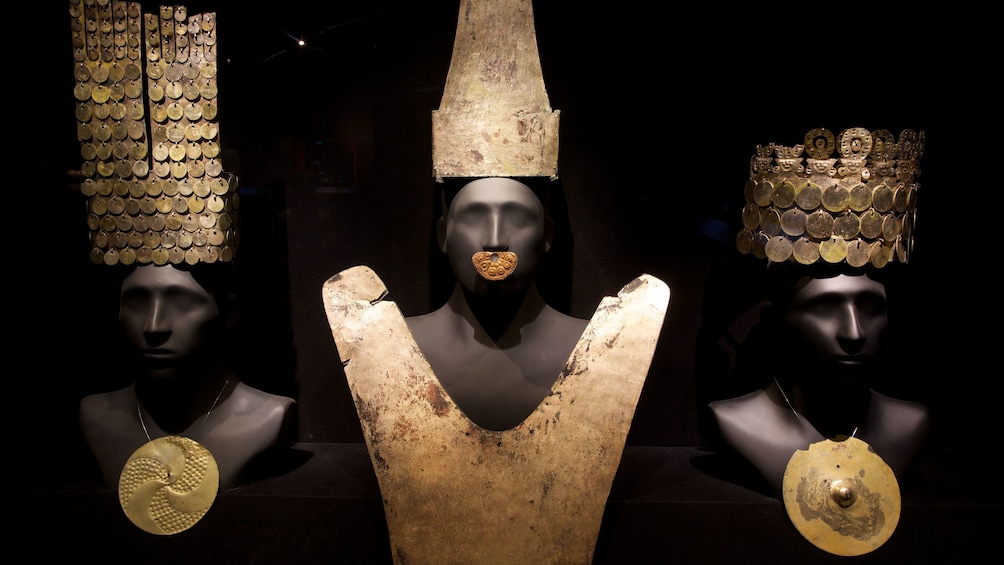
147	122
848	198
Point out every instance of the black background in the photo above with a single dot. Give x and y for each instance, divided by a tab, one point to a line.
662	107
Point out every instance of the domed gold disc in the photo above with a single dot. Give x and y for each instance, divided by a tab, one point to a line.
841	496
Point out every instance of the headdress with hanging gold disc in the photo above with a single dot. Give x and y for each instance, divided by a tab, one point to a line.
178	208
849	198
495	119
149	136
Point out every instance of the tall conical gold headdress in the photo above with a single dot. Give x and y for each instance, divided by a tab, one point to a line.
495	119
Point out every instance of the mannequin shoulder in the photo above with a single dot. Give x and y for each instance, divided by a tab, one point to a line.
432	322
903	414
437	333
249	401
552	320
107	415
741	408
746	416
101	405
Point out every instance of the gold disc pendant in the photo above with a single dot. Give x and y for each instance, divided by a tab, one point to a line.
841	496
494	265
168	485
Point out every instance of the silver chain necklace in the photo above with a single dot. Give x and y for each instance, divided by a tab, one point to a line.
139	411
799	416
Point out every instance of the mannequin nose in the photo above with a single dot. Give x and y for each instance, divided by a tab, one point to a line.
495	240
850	333
156	319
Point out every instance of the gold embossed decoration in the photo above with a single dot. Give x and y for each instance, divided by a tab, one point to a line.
848	198
149	141
168	485
494	265
841	496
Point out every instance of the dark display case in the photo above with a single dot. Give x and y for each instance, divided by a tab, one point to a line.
660	115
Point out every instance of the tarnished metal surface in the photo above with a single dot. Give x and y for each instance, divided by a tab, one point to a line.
847	199
456	493
495	118
842	496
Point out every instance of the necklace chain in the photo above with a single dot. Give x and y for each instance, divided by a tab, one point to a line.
797	415
139	411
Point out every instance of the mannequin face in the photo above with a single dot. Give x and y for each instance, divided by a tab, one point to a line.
495	214
839	321
169	320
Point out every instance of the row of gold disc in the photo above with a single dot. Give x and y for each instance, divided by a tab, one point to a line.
163	256
855	252
115	121
119	209
823	225
154	238
202	187
837	197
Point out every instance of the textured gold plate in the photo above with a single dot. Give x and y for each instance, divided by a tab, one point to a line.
494	265
168	485
841	496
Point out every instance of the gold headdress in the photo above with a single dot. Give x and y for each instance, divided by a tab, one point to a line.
179	207
495	119
858	207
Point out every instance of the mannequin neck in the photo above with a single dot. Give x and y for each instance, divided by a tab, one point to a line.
831	410
176	404
499	315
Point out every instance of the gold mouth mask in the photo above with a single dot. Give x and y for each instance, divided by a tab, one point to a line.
494	265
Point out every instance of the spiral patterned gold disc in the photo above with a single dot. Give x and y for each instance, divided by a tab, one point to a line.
168	485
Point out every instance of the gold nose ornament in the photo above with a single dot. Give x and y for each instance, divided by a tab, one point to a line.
494	265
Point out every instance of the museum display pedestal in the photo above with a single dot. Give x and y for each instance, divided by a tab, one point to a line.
667	505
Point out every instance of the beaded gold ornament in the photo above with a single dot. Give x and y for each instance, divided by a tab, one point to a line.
494	265
804	203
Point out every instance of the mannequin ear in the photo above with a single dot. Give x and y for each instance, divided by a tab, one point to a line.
441	233
770	314
230	310
441	224
548	233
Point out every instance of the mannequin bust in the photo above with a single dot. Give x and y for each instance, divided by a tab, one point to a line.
175	322
827	350
496	346
495	424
